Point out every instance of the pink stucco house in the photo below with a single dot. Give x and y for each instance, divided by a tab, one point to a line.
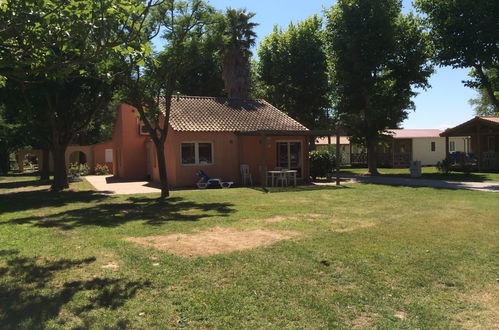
215	135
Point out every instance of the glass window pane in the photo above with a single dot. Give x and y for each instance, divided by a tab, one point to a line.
294	154
205	153
188	153
282	154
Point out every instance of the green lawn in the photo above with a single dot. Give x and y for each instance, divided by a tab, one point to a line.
428	172
366	256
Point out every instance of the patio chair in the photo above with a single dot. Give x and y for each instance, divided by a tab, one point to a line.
246	174
205	181
282	178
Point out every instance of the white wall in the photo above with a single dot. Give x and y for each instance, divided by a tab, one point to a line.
421	149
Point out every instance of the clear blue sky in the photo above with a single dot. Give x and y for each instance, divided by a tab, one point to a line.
444	105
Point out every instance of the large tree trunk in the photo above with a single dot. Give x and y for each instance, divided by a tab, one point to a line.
372	157
163	176
236	74
60	171
45	173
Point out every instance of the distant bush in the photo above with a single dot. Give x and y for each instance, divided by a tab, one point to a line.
444	166
102	169
322	162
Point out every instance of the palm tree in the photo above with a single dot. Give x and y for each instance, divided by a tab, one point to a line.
239	38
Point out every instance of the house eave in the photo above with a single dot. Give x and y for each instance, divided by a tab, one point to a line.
285	133
469	128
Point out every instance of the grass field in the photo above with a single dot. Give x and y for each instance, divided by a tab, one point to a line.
429	172
361	256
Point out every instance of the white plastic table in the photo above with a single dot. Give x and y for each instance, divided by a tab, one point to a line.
286	172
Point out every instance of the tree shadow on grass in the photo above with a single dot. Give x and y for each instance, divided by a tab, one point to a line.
298	189
150	211
23	184
449	186
21	174
26	200
10	252
452	176
31	293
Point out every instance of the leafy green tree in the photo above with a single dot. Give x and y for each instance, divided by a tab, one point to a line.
239	37
23	114
465	35
100	128
377	57
204	77
293	72
482	104
65	51
153	78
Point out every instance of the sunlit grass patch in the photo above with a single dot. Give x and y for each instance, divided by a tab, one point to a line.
365	256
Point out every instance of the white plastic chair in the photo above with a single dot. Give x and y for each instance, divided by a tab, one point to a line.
282	177
246	174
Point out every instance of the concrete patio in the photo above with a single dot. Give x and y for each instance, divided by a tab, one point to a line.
109	185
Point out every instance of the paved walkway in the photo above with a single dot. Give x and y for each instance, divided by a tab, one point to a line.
490	186
109	185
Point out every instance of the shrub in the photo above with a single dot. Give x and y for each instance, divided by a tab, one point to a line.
101	169
444	166
84	169
322	162
77	169
74	169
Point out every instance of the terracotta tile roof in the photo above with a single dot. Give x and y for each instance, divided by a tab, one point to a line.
324	140
210	114
414	133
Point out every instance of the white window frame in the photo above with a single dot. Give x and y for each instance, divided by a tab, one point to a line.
433	143
108	155
196	153
143	129
466	144
301	163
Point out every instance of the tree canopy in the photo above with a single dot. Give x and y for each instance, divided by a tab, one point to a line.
66	51
482	104
465	35
293	72
377	58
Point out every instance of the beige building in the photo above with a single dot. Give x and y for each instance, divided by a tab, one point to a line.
404	146
424	145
